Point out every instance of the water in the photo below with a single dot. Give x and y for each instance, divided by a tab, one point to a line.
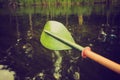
97	26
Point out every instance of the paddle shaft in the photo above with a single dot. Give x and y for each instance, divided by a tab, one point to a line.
92	55
101	60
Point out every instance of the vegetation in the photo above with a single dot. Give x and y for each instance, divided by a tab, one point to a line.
53	8
47	1
52	11
53	2
43	2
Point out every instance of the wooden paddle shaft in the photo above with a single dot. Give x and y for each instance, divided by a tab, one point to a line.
100	59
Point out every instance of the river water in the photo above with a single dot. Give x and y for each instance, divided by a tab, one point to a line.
97	26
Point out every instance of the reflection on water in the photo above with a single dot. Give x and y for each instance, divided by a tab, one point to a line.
90	25
57	65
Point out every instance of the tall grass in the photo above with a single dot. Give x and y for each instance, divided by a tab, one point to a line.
52	2
54	11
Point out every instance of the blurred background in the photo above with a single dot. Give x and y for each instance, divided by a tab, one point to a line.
94	23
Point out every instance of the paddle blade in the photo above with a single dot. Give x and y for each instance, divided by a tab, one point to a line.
60	30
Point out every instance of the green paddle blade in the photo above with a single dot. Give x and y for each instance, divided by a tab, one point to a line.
60	30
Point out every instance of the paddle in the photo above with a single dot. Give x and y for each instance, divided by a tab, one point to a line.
56	37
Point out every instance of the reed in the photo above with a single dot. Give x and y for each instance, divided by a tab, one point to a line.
54	11
52	2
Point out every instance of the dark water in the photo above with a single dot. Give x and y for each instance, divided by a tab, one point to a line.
97	26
